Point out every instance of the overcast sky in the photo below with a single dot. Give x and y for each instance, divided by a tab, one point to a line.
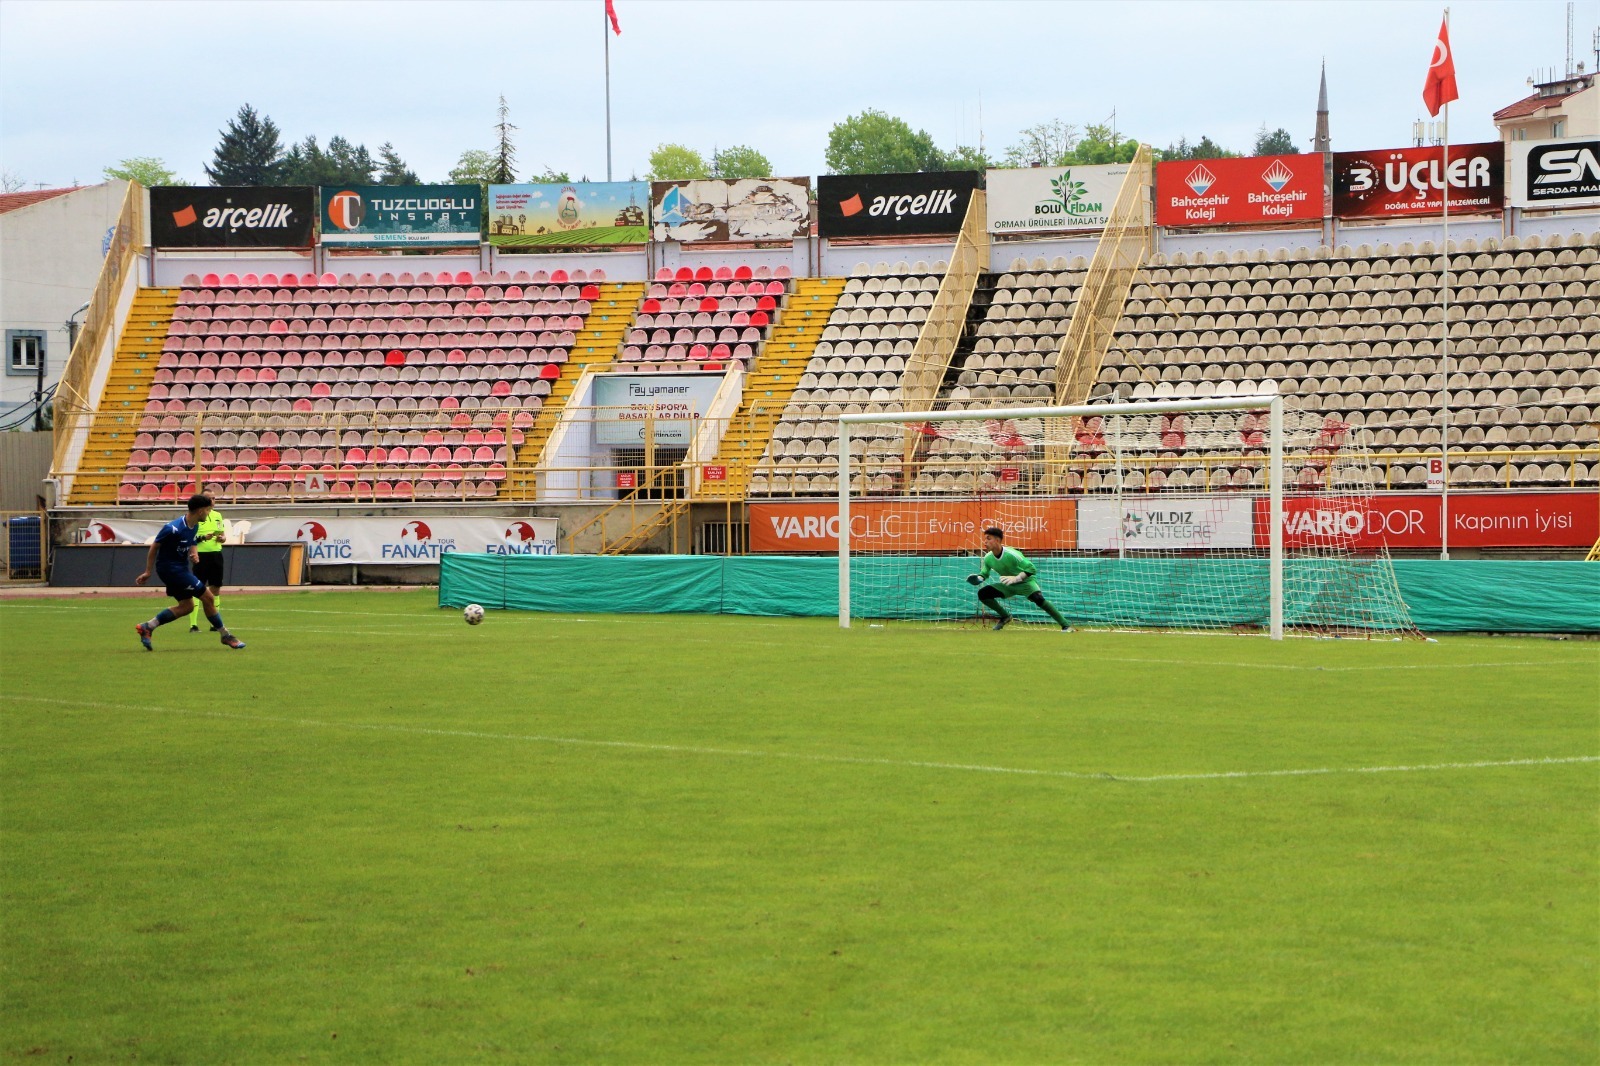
84	84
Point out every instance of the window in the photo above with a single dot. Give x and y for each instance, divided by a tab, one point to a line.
25	351
1558	128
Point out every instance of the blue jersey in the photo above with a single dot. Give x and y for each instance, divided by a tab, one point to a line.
173	545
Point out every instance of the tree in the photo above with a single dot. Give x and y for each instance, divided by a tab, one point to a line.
674	162
1046	144
1278	142
740	161
11	181
505	154
475	167
145	169
348	164
392	169
550	176
1101	144
965	157
249	153
1205	148
875	143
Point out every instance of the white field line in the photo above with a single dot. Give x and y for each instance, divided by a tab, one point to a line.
854	760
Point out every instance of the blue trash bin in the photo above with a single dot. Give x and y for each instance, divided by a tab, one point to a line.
24	546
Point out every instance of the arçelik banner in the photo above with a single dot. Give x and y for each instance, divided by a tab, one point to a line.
890	205
1050	199
731	209
569	214
1477	520
364	216
397	540
232	216
1561	173
914	525
1403	182
1253	190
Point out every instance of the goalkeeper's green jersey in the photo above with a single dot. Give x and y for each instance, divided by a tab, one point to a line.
1009	563
211	524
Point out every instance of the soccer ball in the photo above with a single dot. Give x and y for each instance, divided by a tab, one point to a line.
473	614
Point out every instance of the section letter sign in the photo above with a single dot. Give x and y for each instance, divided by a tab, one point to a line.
1254	190
1048	199
364	216
1564	173
891	205
674	403
732	209
1402	182
232	216
569	214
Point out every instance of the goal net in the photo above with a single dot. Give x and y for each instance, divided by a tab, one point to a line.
1234	513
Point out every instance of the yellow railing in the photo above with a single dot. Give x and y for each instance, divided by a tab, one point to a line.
73	392
929	361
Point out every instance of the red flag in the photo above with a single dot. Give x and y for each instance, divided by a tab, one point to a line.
611	13
1440	88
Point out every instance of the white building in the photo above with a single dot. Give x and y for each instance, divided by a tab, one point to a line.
1568	107
52	242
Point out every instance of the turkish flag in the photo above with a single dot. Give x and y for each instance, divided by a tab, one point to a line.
1440	88
611	13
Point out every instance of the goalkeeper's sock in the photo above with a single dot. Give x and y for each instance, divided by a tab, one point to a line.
1049	609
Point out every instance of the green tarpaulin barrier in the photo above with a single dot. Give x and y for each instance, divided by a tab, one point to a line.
1453	596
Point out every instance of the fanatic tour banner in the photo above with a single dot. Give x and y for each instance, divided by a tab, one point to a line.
1053	199
1563	173
569	214
365	216
397	540
1250	191
1404	182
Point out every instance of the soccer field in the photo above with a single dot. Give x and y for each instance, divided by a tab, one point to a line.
381	835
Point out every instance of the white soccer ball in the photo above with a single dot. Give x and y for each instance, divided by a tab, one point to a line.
472	613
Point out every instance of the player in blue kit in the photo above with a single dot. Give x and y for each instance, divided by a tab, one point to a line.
171	556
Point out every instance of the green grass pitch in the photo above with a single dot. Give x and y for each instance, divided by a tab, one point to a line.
380	835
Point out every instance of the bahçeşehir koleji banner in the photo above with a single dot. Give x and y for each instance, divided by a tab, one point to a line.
363	216
569	214
232	216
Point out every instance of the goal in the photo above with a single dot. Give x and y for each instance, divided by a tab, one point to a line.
1225	513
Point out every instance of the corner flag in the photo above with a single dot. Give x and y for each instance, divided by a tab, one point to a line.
1440	88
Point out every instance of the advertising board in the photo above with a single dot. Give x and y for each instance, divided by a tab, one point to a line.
364	216
889	205
731	209
232	216
1053	199
1252	190
1405	182
569	214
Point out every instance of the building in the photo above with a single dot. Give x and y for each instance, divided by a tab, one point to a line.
52	243
1567	107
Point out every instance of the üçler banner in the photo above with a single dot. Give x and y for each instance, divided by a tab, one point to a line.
1560	173
914	525
1153	523
575	214
1402	182
1477	520
1050	199
232	216
889	205
361	216
1254	190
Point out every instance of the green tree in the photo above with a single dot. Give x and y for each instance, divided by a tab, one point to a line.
1101	144
965	157
876	143
505	153
305	163
392	170
249	152
147	170
740	161
551	176
475	167
675	162
349	164
1278	142
1205	148
1046	144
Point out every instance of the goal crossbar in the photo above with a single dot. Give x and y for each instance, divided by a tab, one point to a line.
1272	402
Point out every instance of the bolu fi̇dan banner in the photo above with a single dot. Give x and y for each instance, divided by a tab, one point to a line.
1250	191
1404	182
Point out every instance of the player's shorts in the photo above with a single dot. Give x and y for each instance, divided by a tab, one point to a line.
209	568
1021	588
181	584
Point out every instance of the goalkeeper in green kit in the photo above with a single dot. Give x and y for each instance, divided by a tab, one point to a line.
1017	578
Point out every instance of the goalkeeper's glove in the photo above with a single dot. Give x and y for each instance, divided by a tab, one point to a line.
1014	579
974	579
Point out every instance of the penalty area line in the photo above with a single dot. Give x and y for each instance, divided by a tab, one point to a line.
853	760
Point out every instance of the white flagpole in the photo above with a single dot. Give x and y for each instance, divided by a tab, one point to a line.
605	31
1444	346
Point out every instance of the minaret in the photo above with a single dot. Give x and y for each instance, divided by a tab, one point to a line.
1321	142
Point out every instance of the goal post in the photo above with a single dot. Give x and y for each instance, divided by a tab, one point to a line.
1163	514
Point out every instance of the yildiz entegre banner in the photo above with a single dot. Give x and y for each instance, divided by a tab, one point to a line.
1564	173
232	216
891	205
1403	182
1053	199
731	209
366	216
1250	191
569	215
